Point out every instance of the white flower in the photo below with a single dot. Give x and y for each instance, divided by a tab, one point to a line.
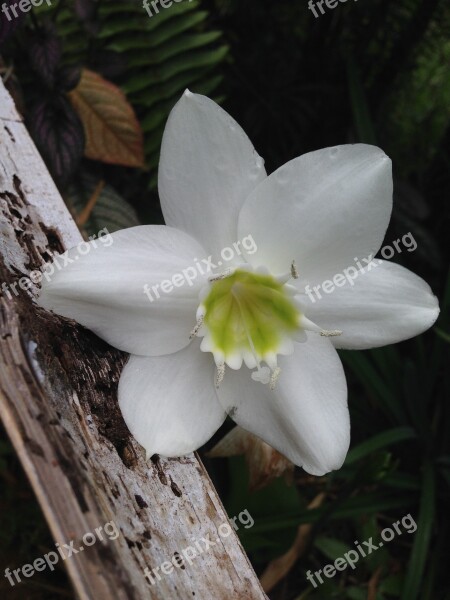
314	215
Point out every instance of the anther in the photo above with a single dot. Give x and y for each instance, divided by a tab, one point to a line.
196	328
223	275
274	378
220	374
310	326
332	333
291	274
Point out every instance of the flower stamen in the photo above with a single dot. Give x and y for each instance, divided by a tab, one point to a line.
308	325
330	333
227	273
196	329
220	374
274	378
291	274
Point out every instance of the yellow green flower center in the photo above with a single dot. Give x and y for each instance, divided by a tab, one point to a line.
248	313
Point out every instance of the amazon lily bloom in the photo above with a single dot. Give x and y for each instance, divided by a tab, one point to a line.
244	338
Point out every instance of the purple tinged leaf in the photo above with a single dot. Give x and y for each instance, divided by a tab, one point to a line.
68	78
59	135
45	52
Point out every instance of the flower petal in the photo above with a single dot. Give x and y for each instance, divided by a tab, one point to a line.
385	305
169	402
208	167
306	417
321	209
103	288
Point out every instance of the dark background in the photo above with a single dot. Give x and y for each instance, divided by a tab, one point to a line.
372	71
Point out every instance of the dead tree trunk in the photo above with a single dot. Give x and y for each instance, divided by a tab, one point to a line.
58	403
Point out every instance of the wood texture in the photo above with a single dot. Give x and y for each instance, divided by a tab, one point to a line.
58	403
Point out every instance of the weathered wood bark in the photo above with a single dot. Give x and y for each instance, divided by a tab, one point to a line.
58	404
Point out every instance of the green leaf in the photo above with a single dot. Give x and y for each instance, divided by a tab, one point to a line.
276	499
402	481
110	211
355	506
355	593
379	441
175	67
421	546
392	585
331	547
374	383
442	334
174	48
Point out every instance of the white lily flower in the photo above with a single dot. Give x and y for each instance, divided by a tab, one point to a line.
309	220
